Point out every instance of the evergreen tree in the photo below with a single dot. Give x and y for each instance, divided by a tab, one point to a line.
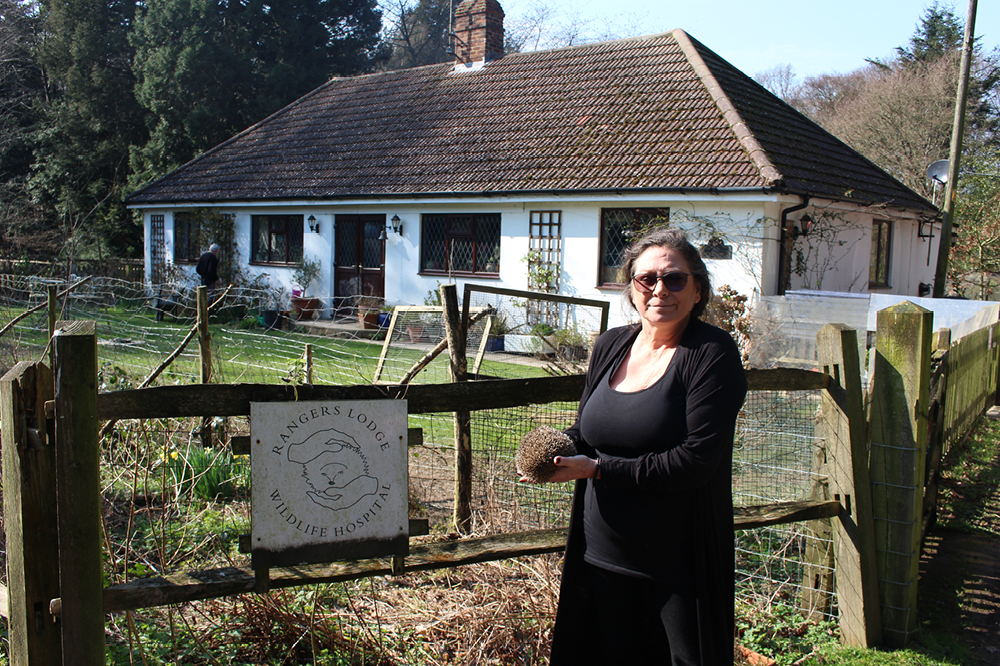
191	79
207	69
24	228
81	148
20	85
939	32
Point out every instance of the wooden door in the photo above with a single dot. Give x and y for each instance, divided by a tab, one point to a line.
359	260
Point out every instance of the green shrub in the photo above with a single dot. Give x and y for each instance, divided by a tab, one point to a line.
208	474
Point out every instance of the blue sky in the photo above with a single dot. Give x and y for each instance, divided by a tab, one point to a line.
818	37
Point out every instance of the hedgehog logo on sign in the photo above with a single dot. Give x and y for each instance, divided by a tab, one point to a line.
335	468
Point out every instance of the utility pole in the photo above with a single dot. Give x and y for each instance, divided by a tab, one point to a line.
957	129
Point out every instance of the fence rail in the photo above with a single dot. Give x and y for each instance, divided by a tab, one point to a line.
132	270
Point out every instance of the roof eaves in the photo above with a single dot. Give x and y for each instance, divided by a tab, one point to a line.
772	177
618	191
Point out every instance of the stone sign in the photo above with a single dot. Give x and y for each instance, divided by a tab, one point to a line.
329	481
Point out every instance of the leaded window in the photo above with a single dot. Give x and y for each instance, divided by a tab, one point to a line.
276	239
187	237
620	227
460	243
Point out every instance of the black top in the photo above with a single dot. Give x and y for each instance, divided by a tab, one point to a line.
633	530
208	269
663	504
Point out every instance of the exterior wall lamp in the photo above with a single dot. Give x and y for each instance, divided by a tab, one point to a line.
805	224
313	224
397	228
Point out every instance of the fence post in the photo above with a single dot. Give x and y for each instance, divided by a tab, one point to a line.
937	414
900	397
849	483
53	305
78	481
307	357
205	354
463	420
29	511
818	560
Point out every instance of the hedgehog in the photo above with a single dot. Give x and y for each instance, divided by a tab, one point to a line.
536	451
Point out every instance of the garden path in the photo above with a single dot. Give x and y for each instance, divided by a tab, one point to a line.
959	588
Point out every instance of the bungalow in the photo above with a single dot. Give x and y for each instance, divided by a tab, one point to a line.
499	168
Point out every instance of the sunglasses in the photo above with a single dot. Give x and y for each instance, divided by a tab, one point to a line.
673	281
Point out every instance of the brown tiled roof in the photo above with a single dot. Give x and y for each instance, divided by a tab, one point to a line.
659	113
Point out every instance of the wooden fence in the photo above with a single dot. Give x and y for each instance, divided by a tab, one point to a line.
52	498
129	270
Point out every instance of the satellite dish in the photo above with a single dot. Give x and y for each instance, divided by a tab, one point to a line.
938	171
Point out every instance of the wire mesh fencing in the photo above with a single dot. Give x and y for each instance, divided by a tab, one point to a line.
157	469
778	440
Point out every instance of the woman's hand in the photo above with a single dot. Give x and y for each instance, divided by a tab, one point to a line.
571	468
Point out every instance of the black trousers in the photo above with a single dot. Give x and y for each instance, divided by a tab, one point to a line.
641	622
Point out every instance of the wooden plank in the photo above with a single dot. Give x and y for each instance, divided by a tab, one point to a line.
900	399
537	295
160	402
234	399
786	379
844	430
182	587
191	586
53	301
30	520
78	483
752	517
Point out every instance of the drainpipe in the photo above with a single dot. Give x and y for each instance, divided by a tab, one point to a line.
782	259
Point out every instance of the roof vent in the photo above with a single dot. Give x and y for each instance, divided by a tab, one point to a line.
478	31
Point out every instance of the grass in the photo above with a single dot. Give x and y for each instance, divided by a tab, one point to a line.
131	343
969	500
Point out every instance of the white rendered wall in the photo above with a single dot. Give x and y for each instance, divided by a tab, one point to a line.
749	224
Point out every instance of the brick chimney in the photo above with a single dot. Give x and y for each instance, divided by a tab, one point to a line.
478	31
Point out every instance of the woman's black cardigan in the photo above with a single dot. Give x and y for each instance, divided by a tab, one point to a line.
713	537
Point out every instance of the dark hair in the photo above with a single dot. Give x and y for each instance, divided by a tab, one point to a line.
673	239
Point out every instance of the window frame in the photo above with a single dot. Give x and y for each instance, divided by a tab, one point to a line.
476	219
880	259
192	226
638	225
293	225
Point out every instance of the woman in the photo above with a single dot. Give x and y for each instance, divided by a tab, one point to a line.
648	577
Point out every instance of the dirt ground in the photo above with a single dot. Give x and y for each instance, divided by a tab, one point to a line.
959	587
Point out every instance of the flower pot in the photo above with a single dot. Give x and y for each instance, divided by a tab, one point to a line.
268	319
494	343
305	307
383	319
368	318
416	332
